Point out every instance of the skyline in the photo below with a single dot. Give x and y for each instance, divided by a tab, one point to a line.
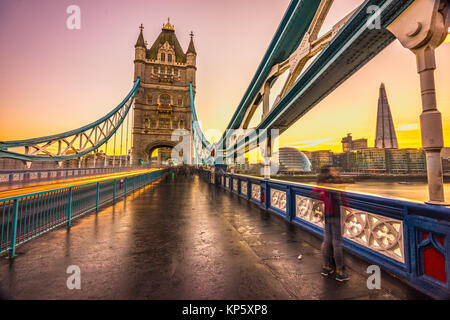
88	71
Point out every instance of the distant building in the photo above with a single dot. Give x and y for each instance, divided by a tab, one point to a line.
292	160
417	162
385	137
345	162
397	161
371	161
319	159
348	144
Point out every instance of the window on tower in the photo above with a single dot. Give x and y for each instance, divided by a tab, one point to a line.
164	99
163	57
164	123
180	101
176	72
169	58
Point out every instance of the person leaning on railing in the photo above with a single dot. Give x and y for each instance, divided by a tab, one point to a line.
332	241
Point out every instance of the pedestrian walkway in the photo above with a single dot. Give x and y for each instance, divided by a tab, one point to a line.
179	240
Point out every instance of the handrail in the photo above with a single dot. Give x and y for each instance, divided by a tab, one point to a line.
407	238
72	186
26	216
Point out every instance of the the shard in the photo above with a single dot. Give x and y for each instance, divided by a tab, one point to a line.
385	135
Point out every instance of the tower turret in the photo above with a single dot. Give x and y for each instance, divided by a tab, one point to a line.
140	51
191	60
162	102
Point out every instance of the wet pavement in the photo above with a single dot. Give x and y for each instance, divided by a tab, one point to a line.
180	240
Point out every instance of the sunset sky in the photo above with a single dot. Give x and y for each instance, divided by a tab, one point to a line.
54	79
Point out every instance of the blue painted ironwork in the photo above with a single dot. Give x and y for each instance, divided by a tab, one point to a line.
331	67
414	219
15	176
106	129
27	216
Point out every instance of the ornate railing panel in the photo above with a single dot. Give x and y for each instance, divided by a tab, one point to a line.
378	233
278	199
310	210
256	192
244	187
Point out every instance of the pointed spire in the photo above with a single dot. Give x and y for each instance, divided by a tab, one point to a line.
140	41
191	48
168	26
385	133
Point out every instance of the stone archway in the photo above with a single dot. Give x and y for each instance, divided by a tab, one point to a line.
164	145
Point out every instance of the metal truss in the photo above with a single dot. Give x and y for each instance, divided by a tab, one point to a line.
338	54
72	144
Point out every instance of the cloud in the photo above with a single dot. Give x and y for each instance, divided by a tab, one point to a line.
314	143
408	127
311	141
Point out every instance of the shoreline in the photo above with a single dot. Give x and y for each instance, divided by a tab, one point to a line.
359	178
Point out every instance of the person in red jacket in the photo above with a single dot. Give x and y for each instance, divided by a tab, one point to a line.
332	241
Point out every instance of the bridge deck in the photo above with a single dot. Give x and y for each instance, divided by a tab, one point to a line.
180	240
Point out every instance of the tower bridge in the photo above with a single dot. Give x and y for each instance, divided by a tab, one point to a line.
202	232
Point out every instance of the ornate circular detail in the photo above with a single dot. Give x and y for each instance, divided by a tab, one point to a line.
354	224
303	207
385	235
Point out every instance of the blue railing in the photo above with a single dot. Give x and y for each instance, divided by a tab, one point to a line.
28	216
17	176
409	239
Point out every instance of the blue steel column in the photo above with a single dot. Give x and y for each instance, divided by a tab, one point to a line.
69	208
114	191
97	196
422	28
12	250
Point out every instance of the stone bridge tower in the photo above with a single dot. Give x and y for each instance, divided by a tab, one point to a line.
162	102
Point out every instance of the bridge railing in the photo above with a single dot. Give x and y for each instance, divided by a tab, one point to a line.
25	217
17	176
409	239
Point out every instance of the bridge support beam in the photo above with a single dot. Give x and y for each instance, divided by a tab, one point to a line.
266	100
268	156
422	27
